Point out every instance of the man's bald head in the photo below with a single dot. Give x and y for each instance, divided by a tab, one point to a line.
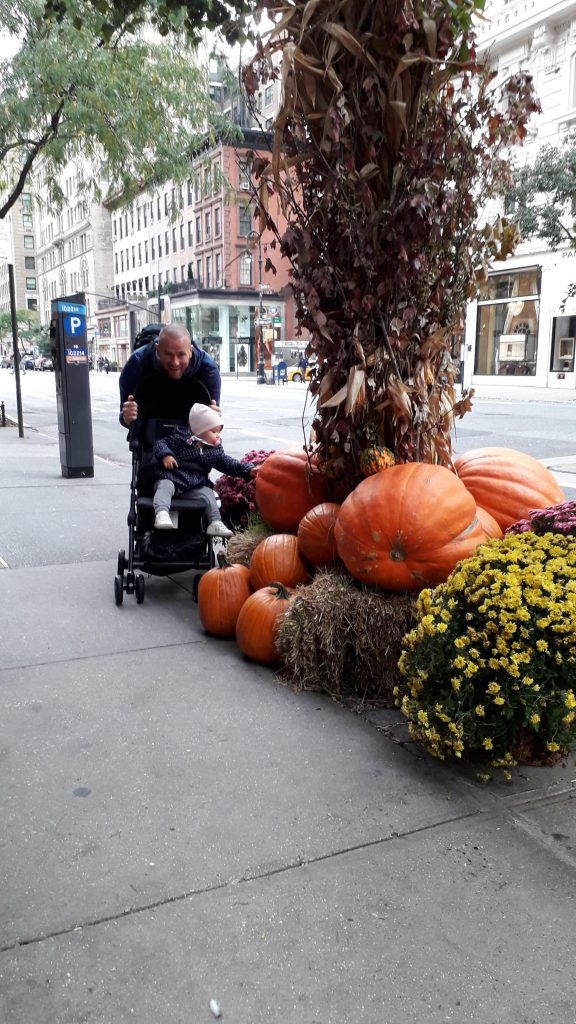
174	350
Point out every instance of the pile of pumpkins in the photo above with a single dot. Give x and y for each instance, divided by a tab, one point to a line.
404	527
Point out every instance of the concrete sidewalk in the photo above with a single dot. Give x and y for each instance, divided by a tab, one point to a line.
178	827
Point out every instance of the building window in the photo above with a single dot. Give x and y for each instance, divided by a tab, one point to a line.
166	204
139	254
198	230
27	221
207	181
26	200
217	222
244	220
159	246
182	243
32	303
197	189
152	249
243	175
208	271
173	239
199	273
268	95
158	207
28	241
189	192
30	263
563	338
218	269
190	233
507	324
31	284
138	218
245	270
208	225
116	263
167	241
182	273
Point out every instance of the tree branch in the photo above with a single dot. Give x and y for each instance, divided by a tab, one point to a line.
50	133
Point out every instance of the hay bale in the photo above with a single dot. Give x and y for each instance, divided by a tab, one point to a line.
241	546
345	638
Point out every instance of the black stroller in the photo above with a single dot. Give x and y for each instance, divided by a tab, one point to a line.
162	405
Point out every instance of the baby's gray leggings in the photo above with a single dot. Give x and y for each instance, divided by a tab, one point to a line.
200	497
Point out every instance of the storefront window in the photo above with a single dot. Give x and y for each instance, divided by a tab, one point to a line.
507	326
563	338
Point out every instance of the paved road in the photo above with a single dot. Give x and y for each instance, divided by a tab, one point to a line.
541	424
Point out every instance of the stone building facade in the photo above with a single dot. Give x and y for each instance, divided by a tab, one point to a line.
518	331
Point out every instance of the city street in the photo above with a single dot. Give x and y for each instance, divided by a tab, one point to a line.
265	416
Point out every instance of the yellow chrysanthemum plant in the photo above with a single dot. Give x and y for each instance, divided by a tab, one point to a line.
489	671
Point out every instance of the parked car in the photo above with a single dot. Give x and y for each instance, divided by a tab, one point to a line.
295	373
43	363
27	363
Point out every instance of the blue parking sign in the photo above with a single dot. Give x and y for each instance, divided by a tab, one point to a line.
74	324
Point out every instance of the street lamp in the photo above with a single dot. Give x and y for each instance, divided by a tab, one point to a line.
252	237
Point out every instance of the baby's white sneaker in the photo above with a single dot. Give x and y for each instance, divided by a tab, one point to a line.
163	521
218	529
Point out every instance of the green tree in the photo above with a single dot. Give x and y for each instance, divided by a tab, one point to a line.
30	331
132	112
390	139
544	194
190	16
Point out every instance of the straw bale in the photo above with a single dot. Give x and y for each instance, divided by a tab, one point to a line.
345	638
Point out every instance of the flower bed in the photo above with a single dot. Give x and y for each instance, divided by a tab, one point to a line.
489	670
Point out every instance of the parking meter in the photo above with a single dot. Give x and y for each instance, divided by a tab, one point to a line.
69	350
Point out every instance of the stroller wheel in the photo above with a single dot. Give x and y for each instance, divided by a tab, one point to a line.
121	562
118	590
139	588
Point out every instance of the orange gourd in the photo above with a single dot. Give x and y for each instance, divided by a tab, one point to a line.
407	528
488	523
507	483
277	558
287	486
258	621
316	539
221	593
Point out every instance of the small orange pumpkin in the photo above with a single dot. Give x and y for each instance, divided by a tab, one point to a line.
287	486
258	621
221	593
488	523
277	558
316	534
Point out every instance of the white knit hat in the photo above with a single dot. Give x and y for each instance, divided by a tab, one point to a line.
202	418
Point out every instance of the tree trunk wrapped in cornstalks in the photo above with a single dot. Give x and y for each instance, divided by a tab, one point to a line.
388	142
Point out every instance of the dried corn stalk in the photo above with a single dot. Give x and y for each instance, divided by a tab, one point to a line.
388	142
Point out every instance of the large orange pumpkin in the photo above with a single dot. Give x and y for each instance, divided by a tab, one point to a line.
488	523
316	534
258	621
407	528
277	558
507	483
221	593
287	486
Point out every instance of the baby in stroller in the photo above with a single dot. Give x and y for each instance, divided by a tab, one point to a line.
180	466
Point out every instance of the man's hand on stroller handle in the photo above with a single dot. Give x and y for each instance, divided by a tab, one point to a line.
129	410
169	462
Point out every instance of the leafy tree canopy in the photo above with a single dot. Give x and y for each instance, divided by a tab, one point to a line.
131	111
30	331
545	194
191	16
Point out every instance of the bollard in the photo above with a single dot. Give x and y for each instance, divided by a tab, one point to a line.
2	414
